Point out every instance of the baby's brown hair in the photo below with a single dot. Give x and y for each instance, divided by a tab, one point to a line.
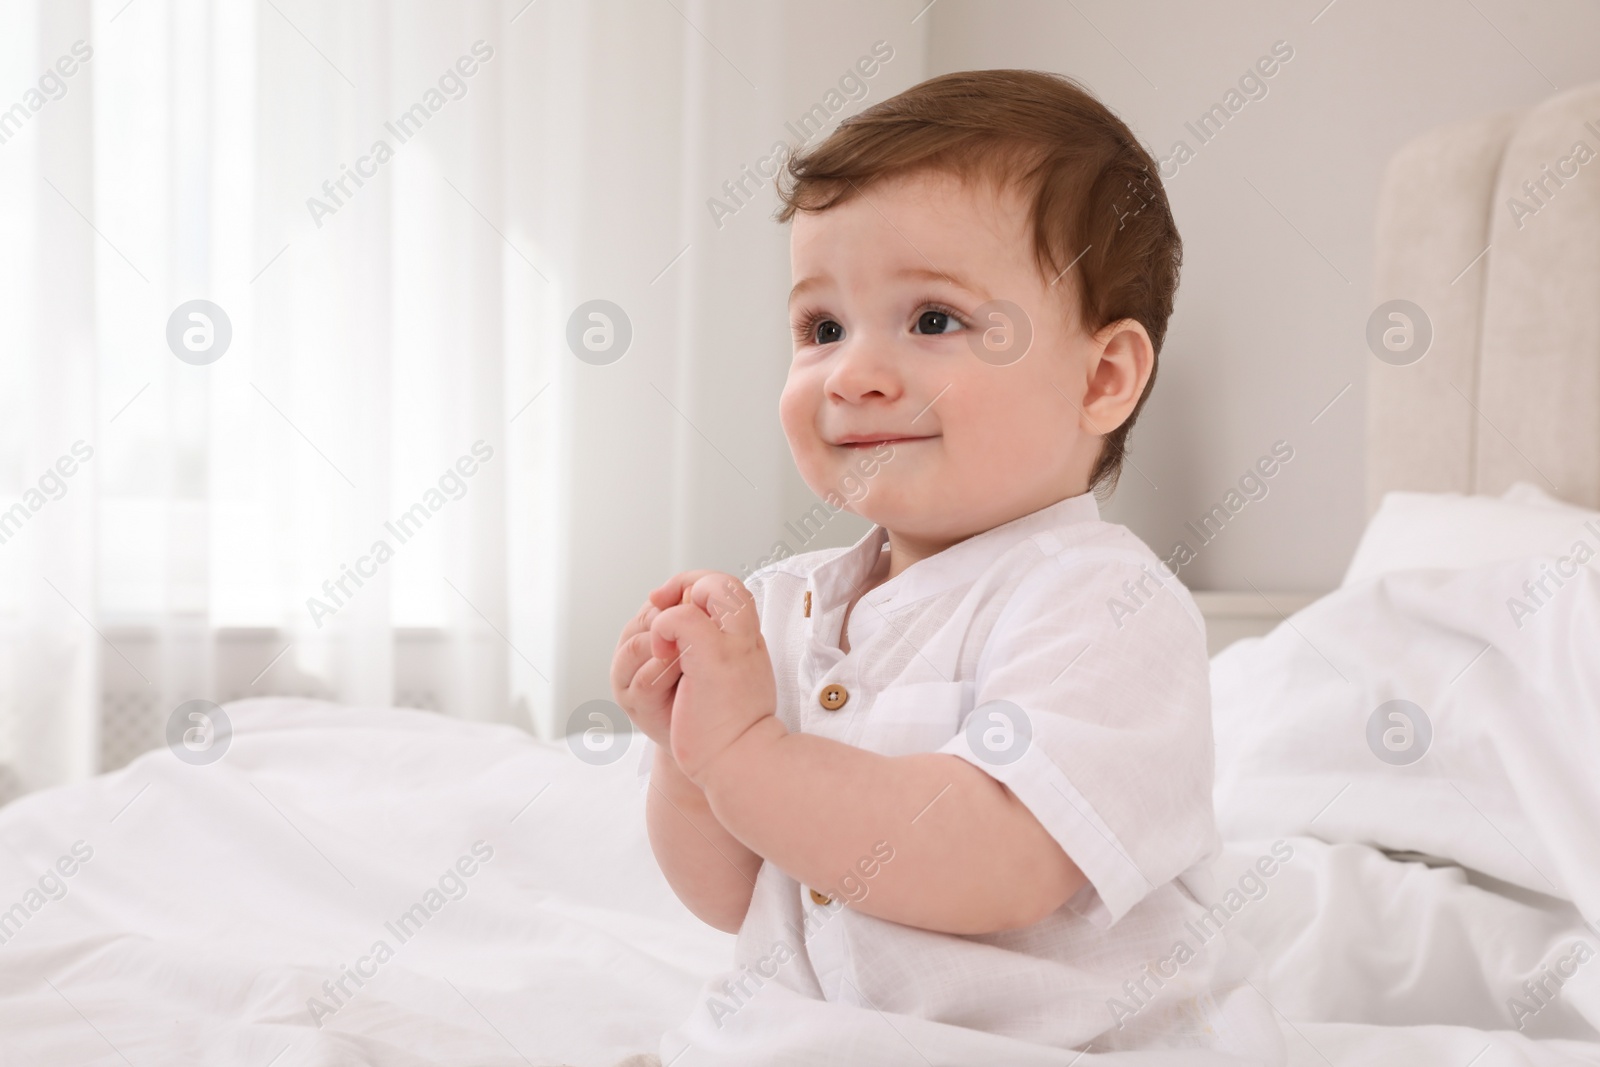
1097	203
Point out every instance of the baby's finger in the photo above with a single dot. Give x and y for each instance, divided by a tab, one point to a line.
640	622
657	676
676	630
670	592
727	601
632	653
651	693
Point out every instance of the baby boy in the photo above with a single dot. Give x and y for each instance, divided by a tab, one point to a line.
958	775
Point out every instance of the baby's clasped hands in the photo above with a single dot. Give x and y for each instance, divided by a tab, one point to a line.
708	628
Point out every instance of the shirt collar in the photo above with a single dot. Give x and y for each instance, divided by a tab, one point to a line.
838	578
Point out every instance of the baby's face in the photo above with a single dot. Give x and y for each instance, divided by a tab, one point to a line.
888	350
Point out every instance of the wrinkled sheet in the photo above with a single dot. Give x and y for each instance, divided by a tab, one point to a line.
1431	889
218	900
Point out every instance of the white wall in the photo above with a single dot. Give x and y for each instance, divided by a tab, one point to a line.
1272	308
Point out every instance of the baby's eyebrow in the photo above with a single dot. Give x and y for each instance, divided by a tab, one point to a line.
805	285
955	278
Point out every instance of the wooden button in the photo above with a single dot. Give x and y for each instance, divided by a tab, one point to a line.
833	696
820	899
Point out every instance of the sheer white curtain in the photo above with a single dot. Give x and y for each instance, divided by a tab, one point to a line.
397	483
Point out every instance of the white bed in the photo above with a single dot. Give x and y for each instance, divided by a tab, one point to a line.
208	905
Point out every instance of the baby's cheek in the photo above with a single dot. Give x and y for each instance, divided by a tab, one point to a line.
795	415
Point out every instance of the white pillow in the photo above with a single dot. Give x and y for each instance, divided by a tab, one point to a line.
1451	531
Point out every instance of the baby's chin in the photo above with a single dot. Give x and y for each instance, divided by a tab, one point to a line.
922	520
910	507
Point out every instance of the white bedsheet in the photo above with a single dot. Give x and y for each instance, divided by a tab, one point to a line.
219	899
1435	888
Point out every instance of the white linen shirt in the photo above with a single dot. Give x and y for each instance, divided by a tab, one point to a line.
1106	738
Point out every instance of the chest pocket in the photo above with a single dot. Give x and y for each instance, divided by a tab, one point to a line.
919	717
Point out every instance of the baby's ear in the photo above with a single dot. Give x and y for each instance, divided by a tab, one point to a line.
1121	371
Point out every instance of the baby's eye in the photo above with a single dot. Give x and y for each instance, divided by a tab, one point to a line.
817	329
937	321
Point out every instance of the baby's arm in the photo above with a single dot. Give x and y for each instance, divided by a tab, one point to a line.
969	858
708	868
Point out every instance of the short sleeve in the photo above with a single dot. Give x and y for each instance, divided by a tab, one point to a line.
1092	704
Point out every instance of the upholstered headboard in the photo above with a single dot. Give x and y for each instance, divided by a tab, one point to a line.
1509	389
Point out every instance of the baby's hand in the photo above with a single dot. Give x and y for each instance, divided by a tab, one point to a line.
708	625
642	684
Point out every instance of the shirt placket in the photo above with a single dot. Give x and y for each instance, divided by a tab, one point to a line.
831	680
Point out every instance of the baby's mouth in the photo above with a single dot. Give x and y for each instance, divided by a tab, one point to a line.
859	442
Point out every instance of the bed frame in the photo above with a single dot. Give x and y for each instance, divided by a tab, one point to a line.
1509	389
1509	275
